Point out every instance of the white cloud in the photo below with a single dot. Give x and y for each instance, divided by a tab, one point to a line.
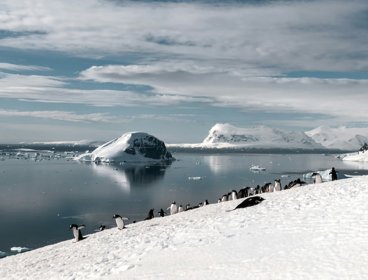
62	116
278	36
17	67
223	55
340	98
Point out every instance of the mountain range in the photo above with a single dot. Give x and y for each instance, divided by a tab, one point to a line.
227	136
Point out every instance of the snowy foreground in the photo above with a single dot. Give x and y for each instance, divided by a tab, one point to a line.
313	232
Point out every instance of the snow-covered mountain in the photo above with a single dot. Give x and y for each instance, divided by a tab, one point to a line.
342	138
130	147
224	135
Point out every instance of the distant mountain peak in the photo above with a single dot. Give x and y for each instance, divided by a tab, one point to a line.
258	137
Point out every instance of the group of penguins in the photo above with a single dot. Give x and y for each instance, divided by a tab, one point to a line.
249	192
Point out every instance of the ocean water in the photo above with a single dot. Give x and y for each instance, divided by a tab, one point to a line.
40	199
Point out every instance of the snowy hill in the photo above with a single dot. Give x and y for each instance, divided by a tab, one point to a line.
130	147
342	138
312	232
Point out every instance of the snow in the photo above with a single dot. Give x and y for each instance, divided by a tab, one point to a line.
317	231
359	156
342	137
130	147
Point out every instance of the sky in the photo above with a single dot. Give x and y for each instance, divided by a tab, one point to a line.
95	69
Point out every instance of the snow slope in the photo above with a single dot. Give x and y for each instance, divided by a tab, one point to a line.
130	147
342	138
312	232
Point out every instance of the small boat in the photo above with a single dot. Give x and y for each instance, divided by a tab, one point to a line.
257	168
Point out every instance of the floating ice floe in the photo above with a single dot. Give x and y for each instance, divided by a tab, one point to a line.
257	168
3	254
195	178
19	249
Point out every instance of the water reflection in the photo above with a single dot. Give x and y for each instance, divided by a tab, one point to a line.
128	176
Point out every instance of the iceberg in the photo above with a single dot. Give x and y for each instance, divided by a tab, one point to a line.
130	147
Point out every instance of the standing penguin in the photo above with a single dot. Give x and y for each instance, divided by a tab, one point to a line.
277	187
180	209
150	215
76	232
119	221
205	202
234	194
333	174
173	208
317	177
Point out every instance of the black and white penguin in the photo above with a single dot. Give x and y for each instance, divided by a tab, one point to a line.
317	177
180	208
224	198
77	232
150	215
119	221
266	187
162	213
102	227
234	194
173	208
277	186
258	189
205	202
251	201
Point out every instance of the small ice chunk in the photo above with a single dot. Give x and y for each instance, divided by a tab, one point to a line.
195	178
19	249
3	254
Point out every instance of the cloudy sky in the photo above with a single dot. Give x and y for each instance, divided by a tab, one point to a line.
94	69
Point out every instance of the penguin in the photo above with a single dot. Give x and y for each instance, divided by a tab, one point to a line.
317	177
102	227
277	186
200	204
296	183
119	221
205	202
219	200
241	193
150	215
76	232
333	174
187	207
162	213
234	194
173	208
251	201
224	198
266	187
180	209
258	189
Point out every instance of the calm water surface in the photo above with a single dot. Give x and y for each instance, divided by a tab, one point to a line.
39	200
